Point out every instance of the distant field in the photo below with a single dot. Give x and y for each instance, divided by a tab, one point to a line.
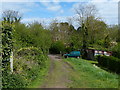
85	75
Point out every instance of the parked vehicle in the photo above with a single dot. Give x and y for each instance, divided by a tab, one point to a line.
76	54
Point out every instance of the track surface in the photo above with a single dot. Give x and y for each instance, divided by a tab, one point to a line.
58	76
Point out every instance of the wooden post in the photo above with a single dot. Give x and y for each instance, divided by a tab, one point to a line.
11	62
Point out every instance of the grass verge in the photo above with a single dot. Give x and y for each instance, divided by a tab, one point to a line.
85	75
38	81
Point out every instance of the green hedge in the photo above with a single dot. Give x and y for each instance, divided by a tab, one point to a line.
116	51
109	62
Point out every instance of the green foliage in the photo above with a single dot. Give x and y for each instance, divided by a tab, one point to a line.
61	31
13	80
21	36
68	49
116	50
30	45
111	63
32	35
113	32
29	62
76	40
100	42
7	43
57	47
107	41
25	51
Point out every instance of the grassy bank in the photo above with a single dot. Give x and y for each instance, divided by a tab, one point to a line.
85	75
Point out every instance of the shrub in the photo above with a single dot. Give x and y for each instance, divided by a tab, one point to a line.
57	47
116	51
109	62
29	50
28	64
13	80
68	49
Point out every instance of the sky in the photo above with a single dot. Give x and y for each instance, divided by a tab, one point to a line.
46	10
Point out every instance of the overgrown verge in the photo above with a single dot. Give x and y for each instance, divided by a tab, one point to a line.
86	75
29	64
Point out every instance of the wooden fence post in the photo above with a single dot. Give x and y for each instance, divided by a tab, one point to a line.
11	62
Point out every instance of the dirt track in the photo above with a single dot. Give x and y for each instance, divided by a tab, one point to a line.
58	76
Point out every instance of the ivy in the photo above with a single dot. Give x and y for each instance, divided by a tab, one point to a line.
7	43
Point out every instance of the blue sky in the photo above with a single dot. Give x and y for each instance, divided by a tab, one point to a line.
47	10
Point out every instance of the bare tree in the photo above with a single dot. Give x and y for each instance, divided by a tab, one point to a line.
84	12
11	16
70	20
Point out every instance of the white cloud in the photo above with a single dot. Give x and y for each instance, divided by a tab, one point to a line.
52	6
107	10
57	0
61	11
45	0
46	20
22	7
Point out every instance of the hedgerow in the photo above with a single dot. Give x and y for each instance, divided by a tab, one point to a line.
109	62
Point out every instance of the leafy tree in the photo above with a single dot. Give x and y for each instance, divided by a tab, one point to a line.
22	36
96	29
32	35
107	41
62	32
41	37
113	32
84	12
